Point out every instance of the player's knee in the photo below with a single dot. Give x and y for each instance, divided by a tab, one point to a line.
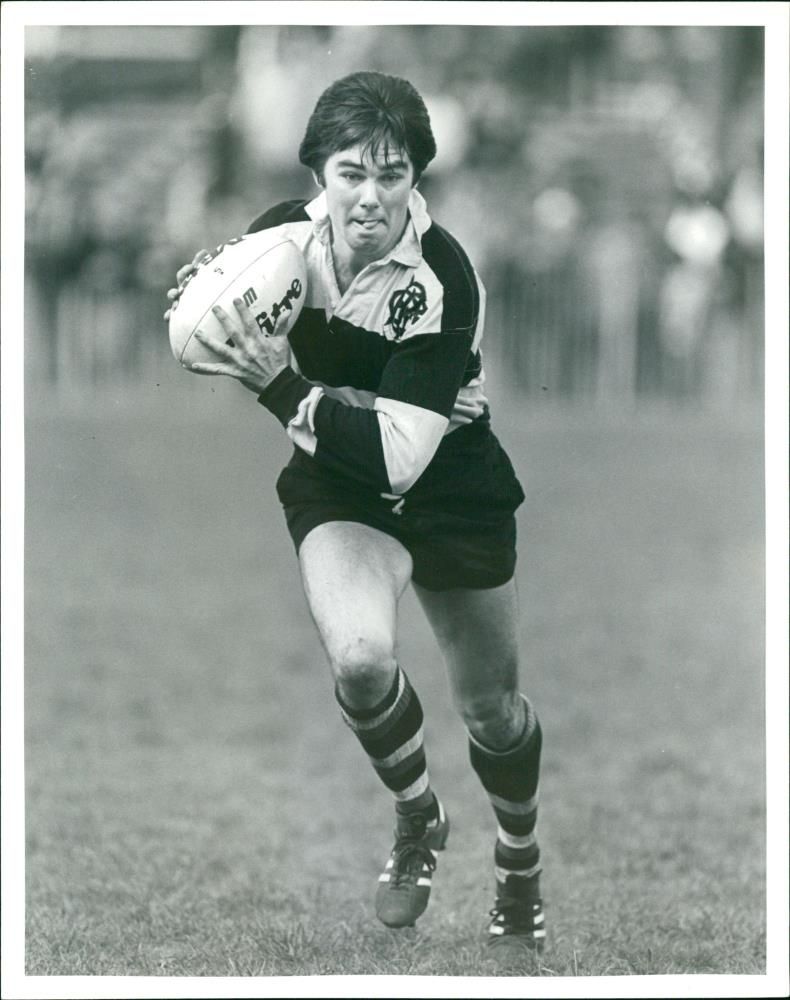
496	722
364	667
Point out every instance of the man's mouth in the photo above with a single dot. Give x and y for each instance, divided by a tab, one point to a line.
367	223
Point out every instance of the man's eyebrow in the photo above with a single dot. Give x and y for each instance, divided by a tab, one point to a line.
389	165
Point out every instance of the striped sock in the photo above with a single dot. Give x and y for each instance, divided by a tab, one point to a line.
391	735
511	780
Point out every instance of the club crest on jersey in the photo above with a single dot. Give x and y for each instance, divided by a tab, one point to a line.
406	305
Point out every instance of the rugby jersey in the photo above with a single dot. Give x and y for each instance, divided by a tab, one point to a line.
382	373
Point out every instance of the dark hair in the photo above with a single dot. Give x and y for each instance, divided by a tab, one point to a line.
372	110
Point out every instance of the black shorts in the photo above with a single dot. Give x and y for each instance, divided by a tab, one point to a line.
457	522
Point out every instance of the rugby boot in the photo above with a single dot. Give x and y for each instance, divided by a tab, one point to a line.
405	884
517	927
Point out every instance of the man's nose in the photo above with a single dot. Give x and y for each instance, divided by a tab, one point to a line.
369	195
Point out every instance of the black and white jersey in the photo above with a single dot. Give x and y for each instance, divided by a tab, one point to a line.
383	373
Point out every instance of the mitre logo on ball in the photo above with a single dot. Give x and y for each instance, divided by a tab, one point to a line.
267	271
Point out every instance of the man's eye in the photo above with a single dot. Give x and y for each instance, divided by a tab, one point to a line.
350	176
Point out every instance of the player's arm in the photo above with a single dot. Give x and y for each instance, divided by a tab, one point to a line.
390	446
387	447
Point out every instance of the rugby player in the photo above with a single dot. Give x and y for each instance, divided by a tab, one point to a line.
397	477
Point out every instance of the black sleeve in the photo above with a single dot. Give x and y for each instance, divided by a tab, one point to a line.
285	211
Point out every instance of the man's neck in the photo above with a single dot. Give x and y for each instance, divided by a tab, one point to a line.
347	264
347	267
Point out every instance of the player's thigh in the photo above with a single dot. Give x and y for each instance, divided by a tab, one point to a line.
353	577
478	633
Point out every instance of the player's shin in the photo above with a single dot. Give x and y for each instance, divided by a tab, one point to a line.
392	736
510	778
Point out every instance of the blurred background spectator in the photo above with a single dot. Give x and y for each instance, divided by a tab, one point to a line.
607	182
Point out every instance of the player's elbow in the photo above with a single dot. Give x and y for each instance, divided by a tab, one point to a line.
409	469
409	440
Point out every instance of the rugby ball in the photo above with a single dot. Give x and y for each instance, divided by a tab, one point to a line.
266	270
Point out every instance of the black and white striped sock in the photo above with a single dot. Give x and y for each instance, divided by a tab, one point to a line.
391	734
511	780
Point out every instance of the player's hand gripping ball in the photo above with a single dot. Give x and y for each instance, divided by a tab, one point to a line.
266	274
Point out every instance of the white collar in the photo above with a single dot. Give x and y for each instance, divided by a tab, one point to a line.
407	251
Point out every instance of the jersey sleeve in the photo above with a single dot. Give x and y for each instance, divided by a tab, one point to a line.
387	448
285	211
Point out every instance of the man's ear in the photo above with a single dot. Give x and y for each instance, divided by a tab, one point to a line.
318	178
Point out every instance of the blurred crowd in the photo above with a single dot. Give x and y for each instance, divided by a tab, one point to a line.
606	181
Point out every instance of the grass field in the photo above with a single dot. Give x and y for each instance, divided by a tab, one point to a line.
195	805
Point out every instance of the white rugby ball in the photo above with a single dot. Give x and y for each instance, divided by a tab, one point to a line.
266	270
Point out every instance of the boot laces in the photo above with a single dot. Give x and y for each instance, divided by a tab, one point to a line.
411	853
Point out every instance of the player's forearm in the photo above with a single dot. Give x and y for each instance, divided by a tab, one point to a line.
386	448
343	439
260	382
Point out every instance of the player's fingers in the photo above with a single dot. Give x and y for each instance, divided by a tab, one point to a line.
280	325
216	346
173	295
183	272
212	368
247	317
232	328
283	316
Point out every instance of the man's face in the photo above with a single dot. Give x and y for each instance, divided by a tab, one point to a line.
368	201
